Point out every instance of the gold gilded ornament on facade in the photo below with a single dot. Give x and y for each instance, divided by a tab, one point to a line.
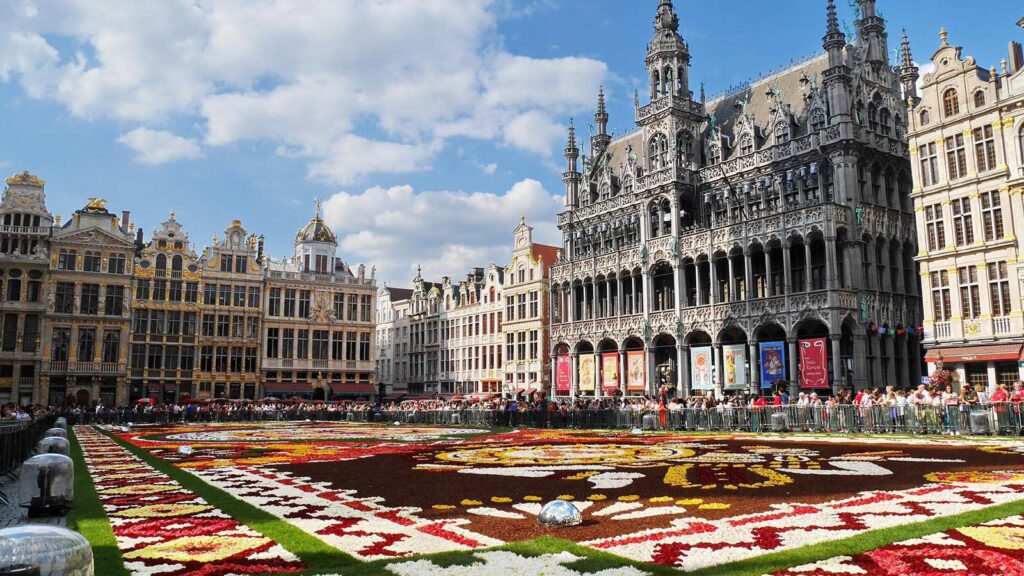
26	179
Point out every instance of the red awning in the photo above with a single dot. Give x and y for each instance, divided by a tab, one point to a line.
395	396
354	389
288	387
994	353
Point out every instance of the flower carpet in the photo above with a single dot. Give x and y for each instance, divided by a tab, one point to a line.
164	529
388	495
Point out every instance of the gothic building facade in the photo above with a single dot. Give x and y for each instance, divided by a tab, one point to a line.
767	235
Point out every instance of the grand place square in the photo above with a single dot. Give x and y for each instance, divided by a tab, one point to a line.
460	287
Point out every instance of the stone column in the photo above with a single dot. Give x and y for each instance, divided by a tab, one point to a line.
754	365
794	364
809	283
831	265
787	274
677	274
680	386
554	377
719	370
713	282
860	360
837	362
769	289
651	384
748	275
732	279
574	389
622	372
684	369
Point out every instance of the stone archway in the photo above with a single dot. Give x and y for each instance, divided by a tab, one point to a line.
319	394
82	397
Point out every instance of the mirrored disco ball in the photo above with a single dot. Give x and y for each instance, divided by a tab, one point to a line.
56	433
125	429
397	423
559	513
638	431
130	424
185	450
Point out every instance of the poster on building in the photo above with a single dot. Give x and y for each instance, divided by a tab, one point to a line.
773	363
587	366
734	357
610	371
636	372
563	374
700	368
814	363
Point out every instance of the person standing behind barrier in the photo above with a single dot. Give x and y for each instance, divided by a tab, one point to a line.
968	398
999	398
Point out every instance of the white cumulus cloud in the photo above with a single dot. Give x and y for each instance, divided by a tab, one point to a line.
331	82
447	232
159	147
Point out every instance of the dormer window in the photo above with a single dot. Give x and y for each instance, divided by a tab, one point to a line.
925	118
979	99
817	120
782	133
714	154
950	103
746	144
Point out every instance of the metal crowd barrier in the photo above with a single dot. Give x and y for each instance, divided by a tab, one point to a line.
1000	418
18	440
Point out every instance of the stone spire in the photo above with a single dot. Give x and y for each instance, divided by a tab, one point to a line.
872	33
834	40
668	56
909	73
666	19
571	177
944	36
602	139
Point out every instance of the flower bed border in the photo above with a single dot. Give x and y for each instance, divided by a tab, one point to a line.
323	559
90	520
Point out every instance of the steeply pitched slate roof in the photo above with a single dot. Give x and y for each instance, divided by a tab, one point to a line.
399	293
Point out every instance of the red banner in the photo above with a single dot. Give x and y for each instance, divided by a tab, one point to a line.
563	374
610	371
814	363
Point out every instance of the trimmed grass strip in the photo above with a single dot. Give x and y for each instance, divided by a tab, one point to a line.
318	556
88	518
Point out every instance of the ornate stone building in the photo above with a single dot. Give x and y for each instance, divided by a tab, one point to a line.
967	146
424	353
165	317
526	336
24	230
318	322
85	331
392	333
471	336
727	244
231	309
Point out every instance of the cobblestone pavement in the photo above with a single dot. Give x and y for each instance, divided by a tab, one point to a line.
13	515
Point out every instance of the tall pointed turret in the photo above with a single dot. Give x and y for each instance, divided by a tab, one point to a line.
601	141
909	73
571	177
838	78
668	56
873	37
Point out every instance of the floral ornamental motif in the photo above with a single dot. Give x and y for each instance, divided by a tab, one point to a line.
568	455
162	528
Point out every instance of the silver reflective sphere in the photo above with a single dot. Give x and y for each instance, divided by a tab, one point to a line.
61	423
185	450
125	429
560	513
130	424
397	423
51	550
56	433
638	431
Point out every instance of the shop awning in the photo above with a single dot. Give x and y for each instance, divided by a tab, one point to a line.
288	388
481	396
993	353
395	396
354	389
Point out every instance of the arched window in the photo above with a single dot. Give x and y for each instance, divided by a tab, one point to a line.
657	152
782	132
667	80
979	98
925	118
1020	143
627	186
817	119
679	80
656	84
684	147
176	263
872	117
746	144
884	122
161	262
950	103
714	154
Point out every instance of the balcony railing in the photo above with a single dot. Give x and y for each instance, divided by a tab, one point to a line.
1001	325
77	366
943	330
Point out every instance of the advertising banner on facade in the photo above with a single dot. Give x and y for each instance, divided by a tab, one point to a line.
587	366
700	369
563	374
734	357
814	363
773	363
610	371
636	372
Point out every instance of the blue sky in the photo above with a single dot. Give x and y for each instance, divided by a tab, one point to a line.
427	126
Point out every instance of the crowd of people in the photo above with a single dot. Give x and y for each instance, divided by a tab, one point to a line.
926	407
